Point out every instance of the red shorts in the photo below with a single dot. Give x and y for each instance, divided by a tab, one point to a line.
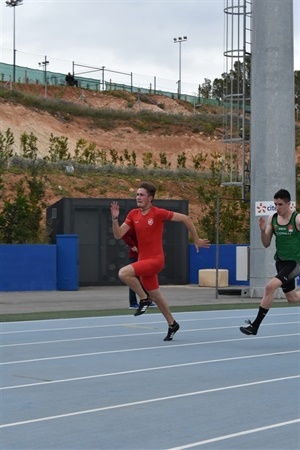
147	270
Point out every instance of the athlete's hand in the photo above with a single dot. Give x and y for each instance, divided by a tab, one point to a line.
115	210
204	243
262	224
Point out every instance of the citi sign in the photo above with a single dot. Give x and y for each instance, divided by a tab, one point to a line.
266	208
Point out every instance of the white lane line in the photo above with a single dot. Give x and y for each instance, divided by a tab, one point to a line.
40	330
148	369
127	350
191	344
116	336
59	341
144	402
204	319
234	435
89	327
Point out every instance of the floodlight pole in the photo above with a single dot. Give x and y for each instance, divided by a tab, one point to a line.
13	4
179	40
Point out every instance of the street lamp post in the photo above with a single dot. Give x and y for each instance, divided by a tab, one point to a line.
13	4
179	41
44	65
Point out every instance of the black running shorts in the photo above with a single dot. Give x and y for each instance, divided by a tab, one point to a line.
287	271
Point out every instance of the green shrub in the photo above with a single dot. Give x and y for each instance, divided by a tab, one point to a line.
7	141
28	145
58	149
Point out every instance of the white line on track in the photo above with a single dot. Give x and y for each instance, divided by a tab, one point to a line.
234	435
165	347
143	402
116	336
120	324
149	369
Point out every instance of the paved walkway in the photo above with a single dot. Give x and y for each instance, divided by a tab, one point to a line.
107	297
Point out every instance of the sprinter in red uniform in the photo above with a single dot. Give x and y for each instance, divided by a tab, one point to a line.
131	240
148	223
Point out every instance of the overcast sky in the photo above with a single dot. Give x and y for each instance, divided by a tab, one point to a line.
126	36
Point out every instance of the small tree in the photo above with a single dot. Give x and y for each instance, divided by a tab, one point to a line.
102	158
130	157
163	160
147	159
85	153
20	219
206	88
133	158
28	145
7	141
234	213
181	160
114	156
58	149
199	160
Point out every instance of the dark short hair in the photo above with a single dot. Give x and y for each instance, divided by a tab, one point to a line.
149	187
283	194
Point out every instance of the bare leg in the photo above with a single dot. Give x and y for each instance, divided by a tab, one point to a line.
264	307
267	300
266	303
127	275
293	296
270	290
162	304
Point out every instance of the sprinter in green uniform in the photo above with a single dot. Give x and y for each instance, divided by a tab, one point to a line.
285	225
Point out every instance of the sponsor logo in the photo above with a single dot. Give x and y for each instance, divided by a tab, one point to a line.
260	208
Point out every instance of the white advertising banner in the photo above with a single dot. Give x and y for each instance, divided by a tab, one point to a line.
266	208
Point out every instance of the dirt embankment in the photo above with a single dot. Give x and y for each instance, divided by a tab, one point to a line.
119	137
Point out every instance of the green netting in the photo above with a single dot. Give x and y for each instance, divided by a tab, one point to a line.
37	76
195	100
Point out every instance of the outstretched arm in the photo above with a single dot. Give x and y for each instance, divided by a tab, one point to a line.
178	217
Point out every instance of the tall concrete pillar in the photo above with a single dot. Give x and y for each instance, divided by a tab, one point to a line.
272	122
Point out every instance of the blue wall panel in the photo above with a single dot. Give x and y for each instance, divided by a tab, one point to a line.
27	267
67	262
34	267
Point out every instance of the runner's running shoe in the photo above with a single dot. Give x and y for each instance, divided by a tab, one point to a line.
171	331
250	329
143	306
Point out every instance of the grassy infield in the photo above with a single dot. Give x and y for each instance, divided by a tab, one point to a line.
116	312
